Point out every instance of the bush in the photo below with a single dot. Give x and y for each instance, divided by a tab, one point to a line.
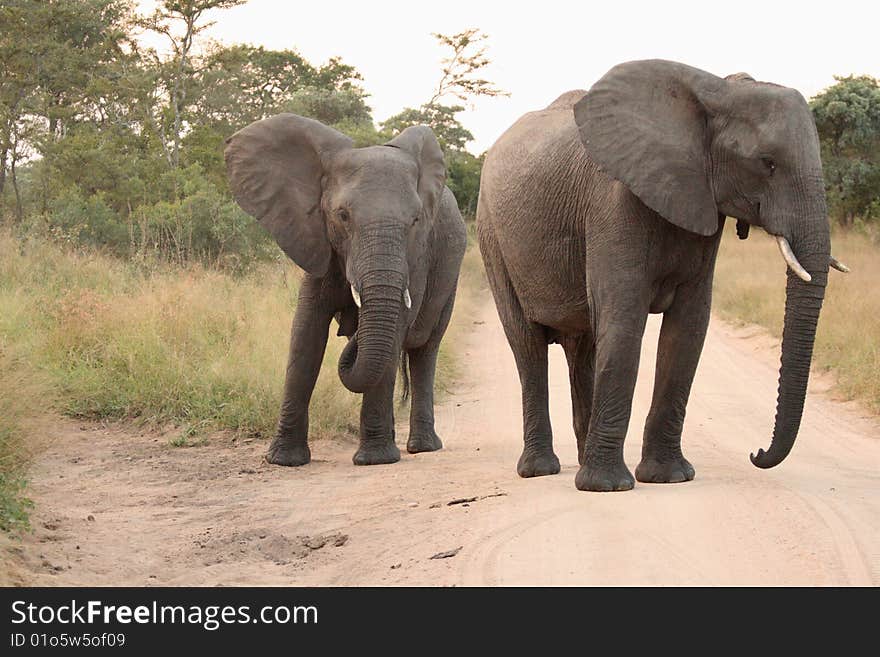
203	225
87	221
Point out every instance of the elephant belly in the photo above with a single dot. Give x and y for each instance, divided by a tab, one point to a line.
563	319
555	297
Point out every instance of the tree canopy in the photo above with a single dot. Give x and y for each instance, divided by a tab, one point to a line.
847	117
107	142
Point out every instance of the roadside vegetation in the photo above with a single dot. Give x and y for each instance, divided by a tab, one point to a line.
24	396
154	343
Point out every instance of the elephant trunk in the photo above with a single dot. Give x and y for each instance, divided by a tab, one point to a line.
373	351
803	302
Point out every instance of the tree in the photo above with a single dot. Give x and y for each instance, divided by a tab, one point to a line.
847	117
236	85
239	84
53	56
451	134
17	80
180	21
459	80
468	56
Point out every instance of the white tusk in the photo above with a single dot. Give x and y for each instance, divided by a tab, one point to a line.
407	300
838	265
791	261
356	297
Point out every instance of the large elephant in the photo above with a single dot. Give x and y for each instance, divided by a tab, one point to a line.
607	206
381	240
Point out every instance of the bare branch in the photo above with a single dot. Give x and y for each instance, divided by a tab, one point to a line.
468	57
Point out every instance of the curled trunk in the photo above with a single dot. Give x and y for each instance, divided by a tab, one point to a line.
380	281
374	347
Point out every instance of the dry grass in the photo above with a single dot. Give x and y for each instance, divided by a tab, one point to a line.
24	395
472	289
750	288
196	348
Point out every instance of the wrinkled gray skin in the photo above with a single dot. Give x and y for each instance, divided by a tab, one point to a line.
607	206
379	220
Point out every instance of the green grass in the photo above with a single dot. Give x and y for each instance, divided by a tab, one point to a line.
750	288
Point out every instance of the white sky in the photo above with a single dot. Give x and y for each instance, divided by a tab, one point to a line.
543	48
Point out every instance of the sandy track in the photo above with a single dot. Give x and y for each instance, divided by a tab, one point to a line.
119	508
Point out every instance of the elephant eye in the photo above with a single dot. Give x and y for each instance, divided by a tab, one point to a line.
415	220
343	215
769	164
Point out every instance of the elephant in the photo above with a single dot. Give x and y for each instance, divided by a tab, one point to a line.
607	206
381	240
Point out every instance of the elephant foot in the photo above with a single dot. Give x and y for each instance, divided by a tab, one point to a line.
534	463
376	453
652	471
423	442
286	452
604	476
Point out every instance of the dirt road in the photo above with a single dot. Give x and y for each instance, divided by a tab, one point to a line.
118	508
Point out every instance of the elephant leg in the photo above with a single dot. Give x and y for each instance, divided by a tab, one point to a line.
580	352
528	341
422	366
616	366
377	423
678	352
308	340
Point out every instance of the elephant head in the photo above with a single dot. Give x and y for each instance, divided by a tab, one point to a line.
372	208
695	147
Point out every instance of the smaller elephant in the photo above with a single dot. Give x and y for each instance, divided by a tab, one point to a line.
381	240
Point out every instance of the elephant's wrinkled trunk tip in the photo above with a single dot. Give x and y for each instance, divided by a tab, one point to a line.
768	459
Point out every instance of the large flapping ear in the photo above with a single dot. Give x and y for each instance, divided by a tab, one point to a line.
275	168
645	123
420	142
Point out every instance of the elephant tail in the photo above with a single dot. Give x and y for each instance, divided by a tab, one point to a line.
404	376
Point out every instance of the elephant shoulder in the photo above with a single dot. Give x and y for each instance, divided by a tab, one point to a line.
535	131
567	100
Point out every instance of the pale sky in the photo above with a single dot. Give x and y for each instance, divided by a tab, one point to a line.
542	49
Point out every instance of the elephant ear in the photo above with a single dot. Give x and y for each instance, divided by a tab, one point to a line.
275	168
645	124
420	142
